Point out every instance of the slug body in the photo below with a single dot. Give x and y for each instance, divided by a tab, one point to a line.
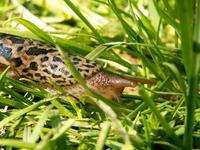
39	62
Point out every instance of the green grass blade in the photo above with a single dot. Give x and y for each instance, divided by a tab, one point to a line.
63	129
82	17
190	63
169	8
11	103
147	26
149	102
38	128
102	136
3	74
185	14
34	29
64	111
113	117
24	111
167	17
16	143
17	97
176	76
132	35
96	52
147	132
23	87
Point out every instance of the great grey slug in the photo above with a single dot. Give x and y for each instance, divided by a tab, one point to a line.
39	61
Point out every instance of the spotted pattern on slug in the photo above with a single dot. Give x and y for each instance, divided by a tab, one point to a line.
40	62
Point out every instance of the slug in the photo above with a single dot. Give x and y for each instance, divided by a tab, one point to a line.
39	62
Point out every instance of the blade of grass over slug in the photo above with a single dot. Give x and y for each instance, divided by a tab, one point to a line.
16	143
96	52
17	114
149	102
82	17
34	29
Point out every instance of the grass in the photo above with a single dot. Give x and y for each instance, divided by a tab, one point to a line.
165	41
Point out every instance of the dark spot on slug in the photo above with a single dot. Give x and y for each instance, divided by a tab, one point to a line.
25	70
42	78
87	70
51	49
84	75
53	66
19	48
56	76
70	76
47	71
40	44
45	58
89	65
17	40
79	69
34	66
76	59
18	62
29	75
60	81
37	74
5	51
87	61
30	42
35	51
57	59
70	82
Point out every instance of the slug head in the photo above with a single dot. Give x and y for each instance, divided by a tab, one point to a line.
109	85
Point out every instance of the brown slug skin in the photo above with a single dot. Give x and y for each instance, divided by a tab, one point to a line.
39	62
